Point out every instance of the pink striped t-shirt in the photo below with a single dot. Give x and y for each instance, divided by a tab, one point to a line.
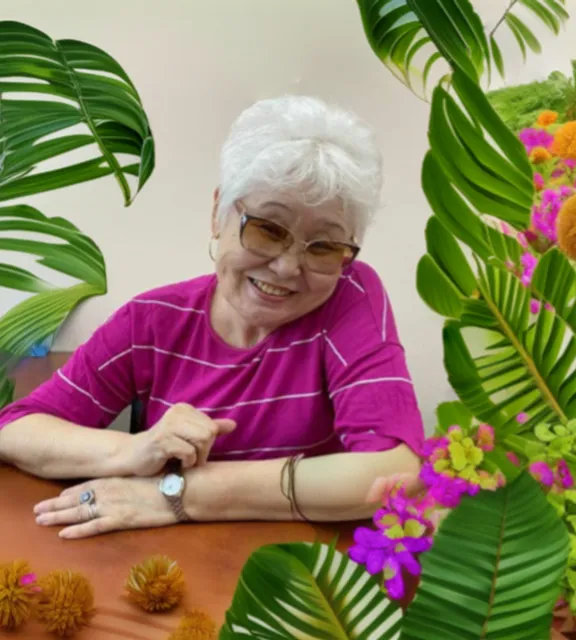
334	380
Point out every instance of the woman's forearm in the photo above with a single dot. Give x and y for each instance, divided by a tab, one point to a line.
327	488
48	447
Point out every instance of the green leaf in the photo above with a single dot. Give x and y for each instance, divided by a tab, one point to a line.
453	413
6	390
80	85
400	30
541	11
451	208
447	254
437	290
497	56
308	591
494	570
38	317
521	31
527	368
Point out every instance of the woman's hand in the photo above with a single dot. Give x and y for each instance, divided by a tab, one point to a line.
183	433
119	503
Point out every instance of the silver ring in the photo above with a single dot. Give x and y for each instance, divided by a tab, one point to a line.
88	497
92	511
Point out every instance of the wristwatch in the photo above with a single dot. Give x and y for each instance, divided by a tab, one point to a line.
172	486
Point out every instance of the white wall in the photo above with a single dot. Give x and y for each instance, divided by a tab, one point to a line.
196	64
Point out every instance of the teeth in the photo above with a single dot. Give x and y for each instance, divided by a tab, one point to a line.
270	290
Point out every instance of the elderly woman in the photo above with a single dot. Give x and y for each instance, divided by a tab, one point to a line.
275	388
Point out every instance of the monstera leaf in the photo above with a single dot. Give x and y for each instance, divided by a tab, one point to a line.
69	83
308	591
411	36
494	570
38	317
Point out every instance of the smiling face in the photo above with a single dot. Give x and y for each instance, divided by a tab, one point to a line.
257	293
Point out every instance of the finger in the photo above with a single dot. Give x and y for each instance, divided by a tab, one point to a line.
89	529
225	426
56	504
382	487
181	449
78	514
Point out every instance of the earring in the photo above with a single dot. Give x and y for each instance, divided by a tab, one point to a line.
210	250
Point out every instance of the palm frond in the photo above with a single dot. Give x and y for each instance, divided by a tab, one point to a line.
494	570
70	83
411	36
526	365
308	591
69	252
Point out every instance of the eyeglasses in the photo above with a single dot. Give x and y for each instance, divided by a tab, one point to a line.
270	240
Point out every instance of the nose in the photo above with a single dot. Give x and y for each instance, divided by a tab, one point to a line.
288	264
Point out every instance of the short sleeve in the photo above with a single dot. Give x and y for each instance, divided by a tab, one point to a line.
94	386
373	396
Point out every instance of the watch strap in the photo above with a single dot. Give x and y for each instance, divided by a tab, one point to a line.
178	508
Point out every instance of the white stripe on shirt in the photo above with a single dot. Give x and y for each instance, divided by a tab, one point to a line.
336	352
370	381
170	305
356	284
244	403
86	393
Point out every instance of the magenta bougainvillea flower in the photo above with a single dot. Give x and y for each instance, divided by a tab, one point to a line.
542	472
532	138
528	262
402	532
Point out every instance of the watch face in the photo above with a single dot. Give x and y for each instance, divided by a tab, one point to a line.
172	485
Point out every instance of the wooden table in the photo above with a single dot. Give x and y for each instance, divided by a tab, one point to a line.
211	555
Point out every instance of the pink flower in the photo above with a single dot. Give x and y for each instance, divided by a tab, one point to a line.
534	306
539	181
27	579
529	262
522	240
563	475
542	472
485	437
513	458
532	138
522	418
548	307
569	163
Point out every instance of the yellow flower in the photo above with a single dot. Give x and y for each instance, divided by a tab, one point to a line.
195	625
546	118
566	228
464	457
65	602
540	155
16	597
157	584
564	144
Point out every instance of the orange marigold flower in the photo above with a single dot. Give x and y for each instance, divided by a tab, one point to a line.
17	594
195	625
65	602
540	155
566	227
564	144
546	118
157	584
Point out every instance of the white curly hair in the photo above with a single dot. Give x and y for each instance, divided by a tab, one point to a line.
302	144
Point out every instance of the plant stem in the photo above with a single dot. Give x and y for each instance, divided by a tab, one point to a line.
499	23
